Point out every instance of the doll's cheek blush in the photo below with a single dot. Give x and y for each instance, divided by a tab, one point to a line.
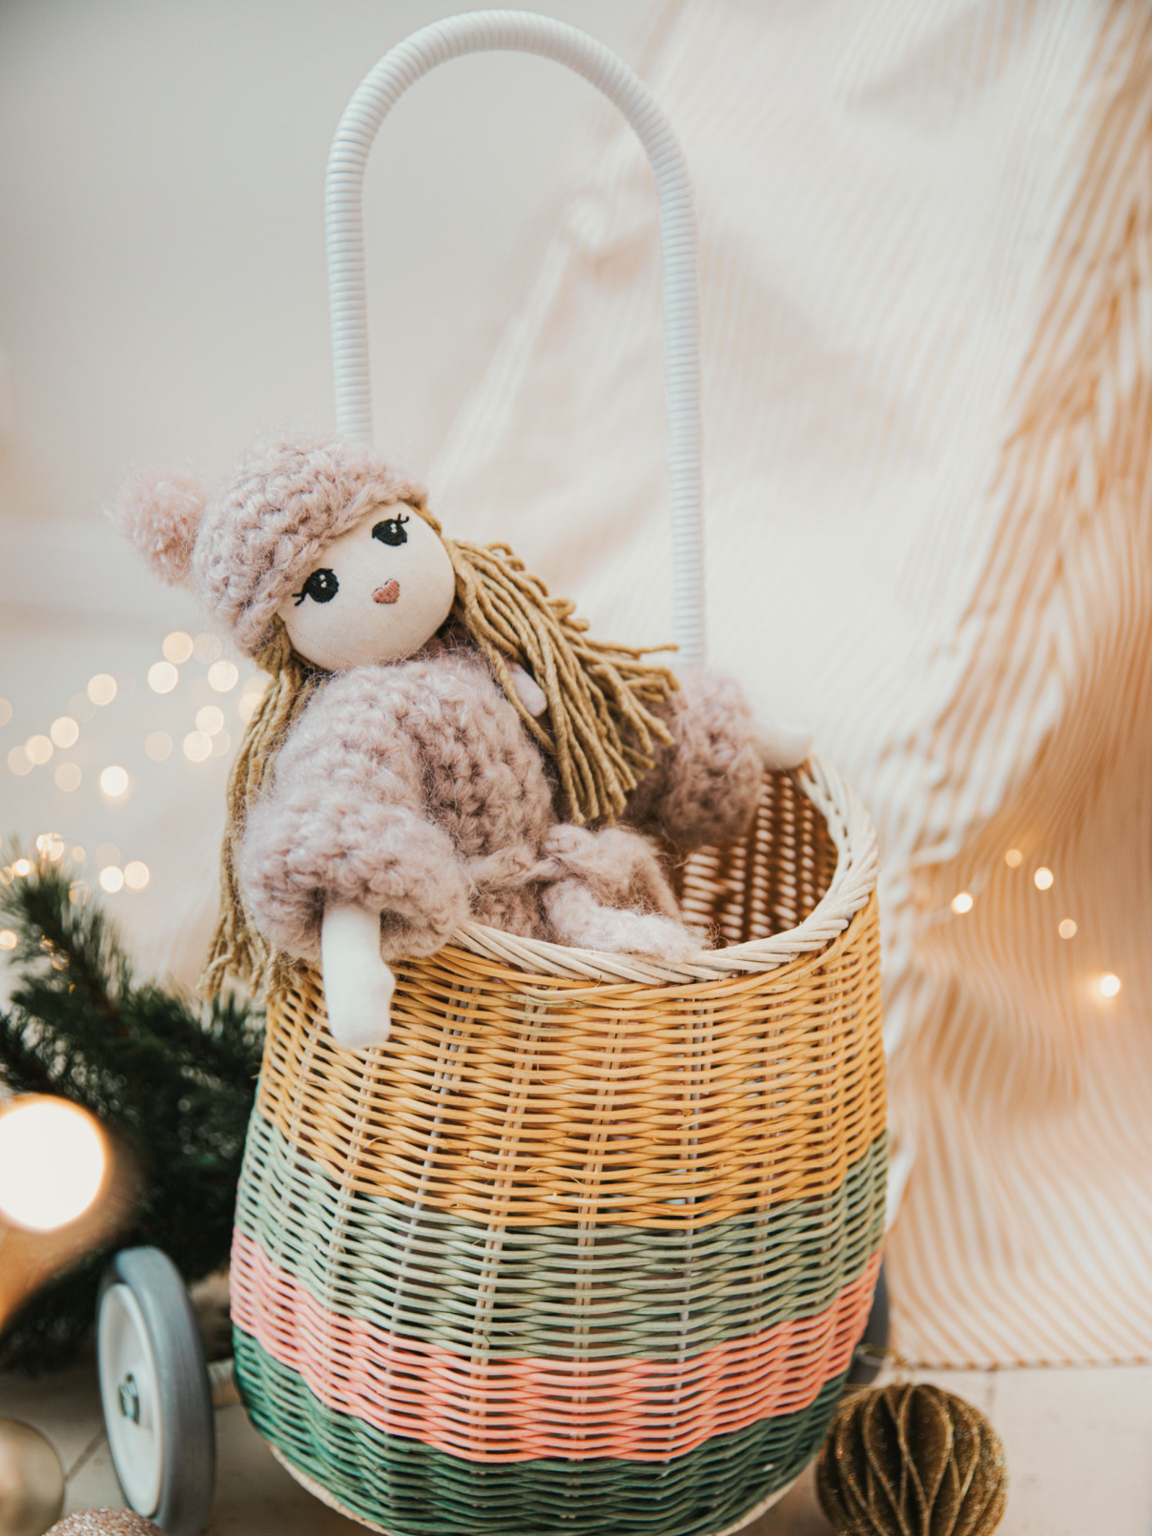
388	593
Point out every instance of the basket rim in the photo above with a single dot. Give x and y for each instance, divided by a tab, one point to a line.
857	863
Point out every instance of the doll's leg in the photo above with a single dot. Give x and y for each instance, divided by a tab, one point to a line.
579	918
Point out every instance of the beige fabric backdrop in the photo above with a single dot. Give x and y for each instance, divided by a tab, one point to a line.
927	327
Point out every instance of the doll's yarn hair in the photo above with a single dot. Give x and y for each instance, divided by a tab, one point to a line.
601	730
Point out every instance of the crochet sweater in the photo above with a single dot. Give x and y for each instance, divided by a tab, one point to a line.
415	790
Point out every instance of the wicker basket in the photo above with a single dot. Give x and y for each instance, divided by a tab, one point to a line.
588	1244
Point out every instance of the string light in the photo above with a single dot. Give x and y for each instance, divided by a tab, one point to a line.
162	677
1067	929
5	712
1043	879
38	749
962	902
158	745
207	648
136	875
1109	984
19	762
223	676
102	688
8	939
177	647
52	1162
197	746
64	732
111	879
1013	858
67	777
114	781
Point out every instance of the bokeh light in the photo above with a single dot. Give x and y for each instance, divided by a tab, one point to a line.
162	677
78	854
962	902
8	939
1067	929
210	719
64	732
81	708
38	749
207	648
177	646
22	867
1109	984
223	676
52	1162
197	746
136	875
50	845
19	762
1013	858
114	781
158	745
221	742
68	777
111	879
1043	879
102	688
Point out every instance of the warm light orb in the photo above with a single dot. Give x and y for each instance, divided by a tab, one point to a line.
1013	858
223	676
210	719
1067	929
114	781
197	746
136	875
52	1162
19	762
51	846
162	677
67	777
111	879
39	749
102	688
64	732
1043	879
1109	985
221	743
177	646
158	745
962	902
79	854
22	867
8	939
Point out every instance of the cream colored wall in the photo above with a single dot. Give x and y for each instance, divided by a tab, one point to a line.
163	299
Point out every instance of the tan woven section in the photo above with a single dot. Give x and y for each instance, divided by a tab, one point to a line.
512	1098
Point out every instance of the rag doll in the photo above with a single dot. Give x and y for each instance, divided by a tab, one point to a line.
441	740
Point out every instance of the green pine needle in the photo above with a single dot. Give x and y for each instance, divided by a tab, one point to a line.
173	1081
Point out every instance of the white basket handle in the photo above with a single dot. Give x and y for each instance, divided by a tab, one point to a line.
526	32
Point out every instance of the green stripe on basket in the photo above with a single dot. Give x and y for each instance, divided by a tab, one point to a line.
410	1489
553	1291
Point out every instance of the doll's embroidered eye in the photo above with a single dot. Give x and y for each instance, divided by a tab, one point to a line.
391	530
322	586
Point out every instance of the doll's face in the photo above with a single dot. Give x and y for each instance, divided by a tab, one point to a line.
377	593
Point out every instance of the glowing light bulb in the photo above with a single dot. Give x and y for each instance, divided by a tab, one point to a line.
136	875
67	777
114	781
64	732
52	1162
1109	985
1043	879
1067	929
962	902
177	646
102	688
111	879
158	745
162	677
223	676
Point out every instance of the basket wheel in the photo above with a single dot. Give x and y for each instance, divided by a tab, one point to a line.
155	1392
870	1352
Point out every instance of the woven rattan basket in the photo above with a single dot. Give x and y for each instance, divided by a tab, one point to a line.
588	1244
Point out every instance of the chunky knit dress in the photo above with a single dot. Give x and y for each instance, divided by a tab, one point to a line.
415	790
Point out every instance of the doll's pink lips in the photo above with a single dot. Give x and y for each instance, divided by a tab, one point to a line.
388	593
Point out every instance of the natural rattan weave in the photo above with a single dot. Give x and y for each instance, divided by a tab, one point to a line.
578	1248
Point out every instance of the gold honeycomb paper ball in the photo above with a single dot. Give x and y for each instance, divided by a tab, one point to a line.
105	1522
911	1460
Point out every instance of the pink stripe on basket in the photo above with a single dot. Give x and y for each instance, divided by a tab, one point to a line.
518	1410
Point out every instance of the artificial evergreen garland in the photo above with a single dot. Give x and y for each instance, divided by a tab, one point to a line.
173	1082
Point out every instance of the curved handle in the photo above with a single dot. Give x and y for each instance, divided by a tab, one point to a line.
526	32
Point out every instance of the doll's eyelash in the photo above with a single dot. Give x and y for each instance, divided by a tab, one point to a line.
321	587
391	530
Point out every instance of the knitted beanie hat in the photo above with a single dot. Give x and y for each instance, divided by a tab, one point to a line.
245	549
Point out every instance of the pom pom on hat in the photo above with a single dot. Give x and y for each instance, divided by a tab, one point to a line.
161	513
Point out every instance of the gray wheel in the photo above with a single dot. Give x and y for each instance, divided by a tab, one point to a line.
155	1392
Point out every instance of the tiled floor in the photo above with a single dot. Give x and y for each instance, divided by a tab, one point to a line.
1078	1442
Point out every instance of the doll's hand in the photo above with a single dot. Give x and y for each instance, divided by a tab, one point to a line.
358	985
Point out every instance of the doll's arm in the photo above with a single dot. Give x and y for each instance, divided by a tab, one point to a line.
358	984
